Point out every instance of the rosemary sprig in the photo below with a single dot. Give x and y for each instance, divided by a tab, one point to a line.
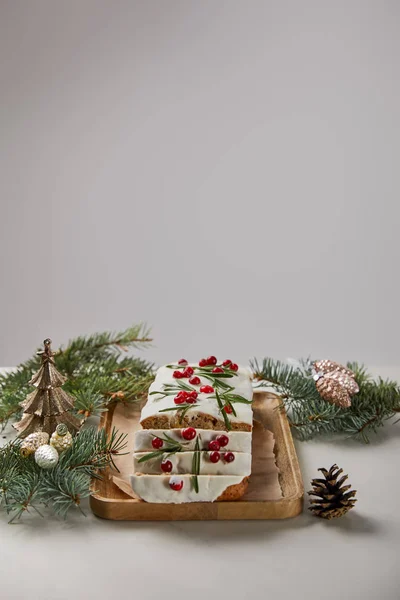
236	398
227	403
207	370
218	383
167	438
224	375
217	379
171	389
221	409
181	410
196	466
173	446
157	454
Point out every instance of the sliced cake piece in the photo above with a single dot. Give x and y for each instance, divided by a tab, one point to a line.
176	489
204	397
148	440
211	463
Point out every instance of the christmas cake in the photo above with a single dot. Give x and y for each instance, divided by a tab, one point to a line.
195	445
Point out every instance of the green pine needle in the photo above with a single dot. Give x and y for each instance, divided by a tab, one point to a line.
309	415
97	373
24	486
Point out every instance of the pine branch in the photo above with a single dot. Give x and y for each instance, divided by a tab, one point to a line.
97	374
309	415
101	345
65	489
24	486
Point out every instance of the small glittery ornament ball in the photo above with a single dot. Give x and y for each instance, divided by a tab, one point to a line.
333	391
61	439
46	456
32	442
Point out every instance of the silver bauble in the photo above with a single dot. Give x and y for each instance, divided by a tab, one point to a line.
46	456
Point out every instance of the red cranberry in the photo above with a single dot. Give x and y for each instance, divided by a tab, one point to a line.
214	456
213	445
177	374
227	363
189	433
166	466
217	370
228	409
206	389
188	371
176	484
212	360
179	399
223	440
195	380
203	362
182	361
234	367
190	397
228	457
157	443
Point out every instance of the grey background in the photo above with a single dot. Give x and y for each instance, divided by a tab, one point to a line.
225	171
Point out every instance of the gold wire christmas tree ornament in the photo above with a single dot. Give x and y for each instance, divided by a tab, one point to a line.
335	383
32	442
48	405
333	499
61	439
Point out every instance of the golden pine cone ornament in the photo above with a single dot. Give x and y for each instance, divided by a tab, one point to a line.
334	370
333	499
327	366
333	391
61	439
347	382
32	442
46	456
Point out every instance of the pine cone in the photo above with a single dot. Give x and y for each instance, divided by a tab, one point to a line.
333	391
326	366
328	369
333	498
349	383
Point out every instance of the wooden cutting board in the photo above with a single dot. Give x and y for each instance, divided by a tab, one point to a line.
261	500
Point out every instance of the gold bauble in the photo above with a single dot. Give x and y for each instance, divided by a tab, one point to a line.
61	439
32	442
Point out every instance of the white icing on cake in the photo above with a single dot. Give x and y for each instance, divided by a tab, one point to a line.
156	488
239	441
182	463
205	403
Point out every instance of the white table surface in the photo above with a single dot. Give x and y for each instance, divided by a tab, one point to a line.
305	557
